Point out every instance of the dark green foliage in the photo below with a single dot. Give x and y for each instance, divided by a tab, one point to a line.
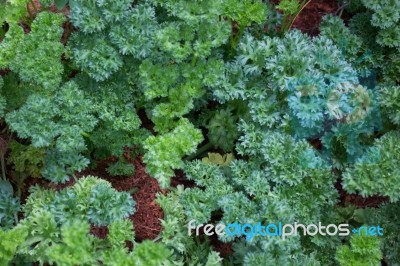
43	66
121	168
26	160
222	129
94	16
387	216
159	77
350	45
136	36
389	97
385	16
9	208
107	206
9	205
360	25
91	198
279	182
3	101
368	44
95	55
353	6
15	92
66	118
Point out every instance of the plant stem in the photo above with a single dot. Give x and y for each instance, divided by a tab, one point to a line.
3	168
302	6
201	150
16	218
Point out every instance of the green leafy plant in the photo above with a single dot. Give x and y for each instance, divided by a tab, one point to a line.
296	84
284	117
387	217
363	250
10	240
186	250
121	168
222	128
15	10
44	67
9	208
386	16
165	151
377	171
90	198
26	160
267	187
388	98
66	121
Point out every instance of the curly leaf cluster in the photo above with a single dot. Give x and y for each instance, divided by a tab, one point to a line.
164	152
36	57
377	172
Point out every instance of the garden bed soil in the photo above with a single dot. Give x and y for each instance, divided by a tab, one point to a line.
357	200
310	17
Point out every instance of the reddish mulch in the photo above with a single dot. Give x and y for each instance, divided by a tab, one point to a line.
148	214
180	179
99	231
224	249
358	200
4	72
310	17
60	186
31	182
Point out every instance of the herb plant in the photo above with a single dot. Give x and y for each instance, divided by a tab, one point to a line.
291	124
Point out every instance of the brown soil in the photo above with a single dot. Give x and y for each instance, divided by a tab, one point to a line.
99	231
180	179
148	214
358	200
4	72
224	249
310	17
